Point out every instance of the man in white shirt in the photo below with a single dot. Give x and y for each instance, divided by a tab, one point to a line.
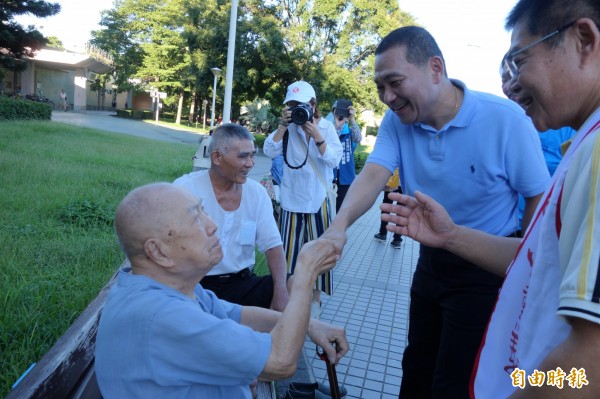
243	211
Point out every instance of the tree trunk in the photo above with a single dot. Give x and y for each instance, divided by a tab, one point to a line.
179	108
192	116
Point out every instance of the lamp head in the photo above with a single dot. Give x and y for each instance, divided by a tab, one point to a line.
216	71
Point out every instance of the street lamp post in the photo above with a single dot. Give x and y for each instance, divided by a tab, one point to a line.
230	57
216	72
202	156
204	102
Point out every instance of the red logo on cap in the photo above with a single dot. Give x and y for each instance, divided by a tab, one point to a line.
296	89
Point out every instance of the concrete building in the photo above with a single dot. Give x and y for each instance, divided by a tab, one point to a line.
53	69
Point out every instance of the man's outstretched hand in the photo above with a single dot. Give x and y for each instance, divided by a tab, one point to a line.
420	218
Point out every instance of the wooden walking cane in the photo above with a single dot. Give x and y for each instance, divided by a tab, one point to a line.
333	382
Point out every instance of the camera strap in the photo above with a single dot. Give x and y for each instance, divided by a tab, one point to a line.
285	143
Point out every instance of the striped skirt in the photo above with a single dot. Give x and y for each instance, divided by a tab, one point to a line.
300	228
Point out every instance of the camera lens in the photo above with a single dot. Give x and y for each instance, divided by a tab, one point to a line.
301	114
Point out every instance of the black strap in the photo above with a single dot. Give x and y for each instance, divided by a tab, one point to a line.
285	143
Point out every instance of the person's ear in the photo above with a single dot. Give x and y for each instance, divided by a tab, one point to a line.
437	68
215	157
587	36
158	251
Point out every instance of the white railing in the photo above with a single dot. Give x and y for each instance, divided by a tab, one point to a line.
98	54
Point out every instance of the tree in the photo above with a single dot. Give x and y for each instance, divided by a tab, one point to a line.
55	42
172	45
336	40
259	116
146	41
17	41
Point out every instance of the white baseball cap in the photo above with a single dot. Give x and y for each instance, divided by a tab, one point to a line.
299	91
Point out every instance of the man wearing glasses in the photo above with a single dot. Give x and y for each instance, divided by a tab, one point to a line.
543	338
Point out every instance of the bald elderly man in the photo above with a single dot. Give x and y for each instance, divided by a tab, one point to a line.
162	335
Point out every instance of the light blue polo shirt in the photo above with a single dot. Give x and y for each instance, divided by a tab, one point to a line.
475	165
155	342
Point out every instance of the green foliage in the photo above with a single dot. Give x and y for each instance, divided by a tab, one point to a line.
329	43
85	213
55	42
372	130
259	140
360	156
135	114
16	41
260	116
359	161
51	270
261	268
17	108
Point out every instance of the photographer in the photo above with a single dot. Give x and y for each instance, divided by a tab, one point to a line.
342	117
310	146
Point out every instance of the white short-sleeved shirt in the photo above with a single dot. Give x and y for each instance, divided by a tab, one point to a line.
250	226
554	273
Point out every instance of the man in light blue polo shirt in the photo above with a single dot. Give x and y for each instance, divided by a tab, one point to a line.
463	149
161	335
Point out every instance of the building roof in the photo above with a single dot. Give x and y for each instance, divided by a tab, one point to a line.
94	60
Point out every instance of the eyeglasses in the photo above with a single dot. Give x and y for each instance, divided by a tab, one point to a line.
509	60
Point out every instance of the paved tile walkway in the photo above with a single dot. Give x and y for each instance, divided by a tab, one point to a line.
371	300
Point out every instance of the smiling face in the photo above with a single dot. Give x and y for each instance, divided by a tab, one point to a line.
404	87
547	79
234	162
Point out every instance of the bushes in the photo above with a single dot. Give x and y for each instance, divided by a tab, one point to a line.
359	161
135	113
86	213
17	108
372	130
259	140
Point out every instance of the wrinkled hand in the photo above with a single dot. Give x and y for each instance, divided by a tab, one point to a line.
319	255
329	337
338	237
420	218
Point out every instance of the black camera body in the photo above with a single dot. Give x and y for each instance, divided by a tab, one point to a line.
301	113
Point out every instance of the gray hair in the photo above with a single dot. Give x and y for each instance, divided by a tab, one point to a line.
224	134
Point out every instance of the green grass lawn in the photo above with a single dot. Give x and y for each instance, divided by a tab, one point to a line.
59	188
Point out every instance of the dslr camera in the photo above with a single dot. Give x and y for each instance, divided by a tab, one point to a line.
301	113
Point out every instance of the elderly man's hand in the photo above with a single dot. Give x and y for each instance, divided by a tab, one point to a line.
338	236
329	337
319	255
